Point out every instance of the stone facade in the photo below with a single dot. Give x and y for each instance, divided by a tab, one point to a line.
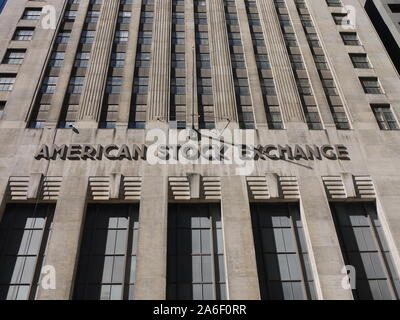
374	153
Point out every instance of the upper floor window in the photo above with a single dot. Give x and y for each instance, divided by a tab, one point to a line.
23	34
82	59
385	117
63	36
334	3
114	84
49	85
341	18
70	15
371	85
92	16
350	38
121	37
57	58
14	56
76	85
7	81
88	36
32	14
360	60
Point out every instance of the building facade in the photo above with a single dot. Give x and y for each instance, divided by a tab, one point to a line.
385	16
197	149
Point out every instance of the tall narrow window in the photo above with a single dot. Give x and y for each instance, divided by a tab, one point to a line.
196	268
364	247
137	116
178	68
24	231
70	109
284	270
331	91
242	90
110	108
271	103
107	262
43	102
205	98
303	83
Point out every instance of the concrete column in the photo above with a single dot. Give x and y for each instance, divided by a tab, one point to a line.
159	82
325	253
387	203
311	68
93	91
260	115
288	95
68	64
129	68
191	72
221	66
3	192
151	270
63	245
242	277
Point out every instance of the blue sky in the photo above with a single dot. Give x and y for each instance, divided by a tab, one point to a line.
1	4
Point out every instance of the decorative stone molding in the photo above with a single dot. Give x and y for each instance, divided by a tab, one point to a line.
193	186
258	188
34	187
51	188
272	186
92	96
289	187
132	188
115	187
211	188
334	187
348	186
364	187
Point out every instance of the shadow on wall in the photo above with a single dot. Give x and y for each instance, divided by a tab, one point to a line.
384	33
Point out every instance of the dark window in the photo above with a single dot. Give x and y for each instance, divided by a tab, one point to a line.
107	262
371	85
24	231
196	268
385	117
365	248
284	270
394	7
360	60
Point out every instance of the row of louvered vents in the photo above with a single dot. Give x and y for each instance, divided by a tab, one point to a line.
101	188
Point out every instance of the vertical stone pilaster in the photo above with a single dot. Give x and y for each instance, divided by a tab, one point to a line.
315	82
63	244
192	110
288	96
325	253
240	255
260	116
160	70
129	68
221	66
93	92
387	207
68	64
151	271
3	193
